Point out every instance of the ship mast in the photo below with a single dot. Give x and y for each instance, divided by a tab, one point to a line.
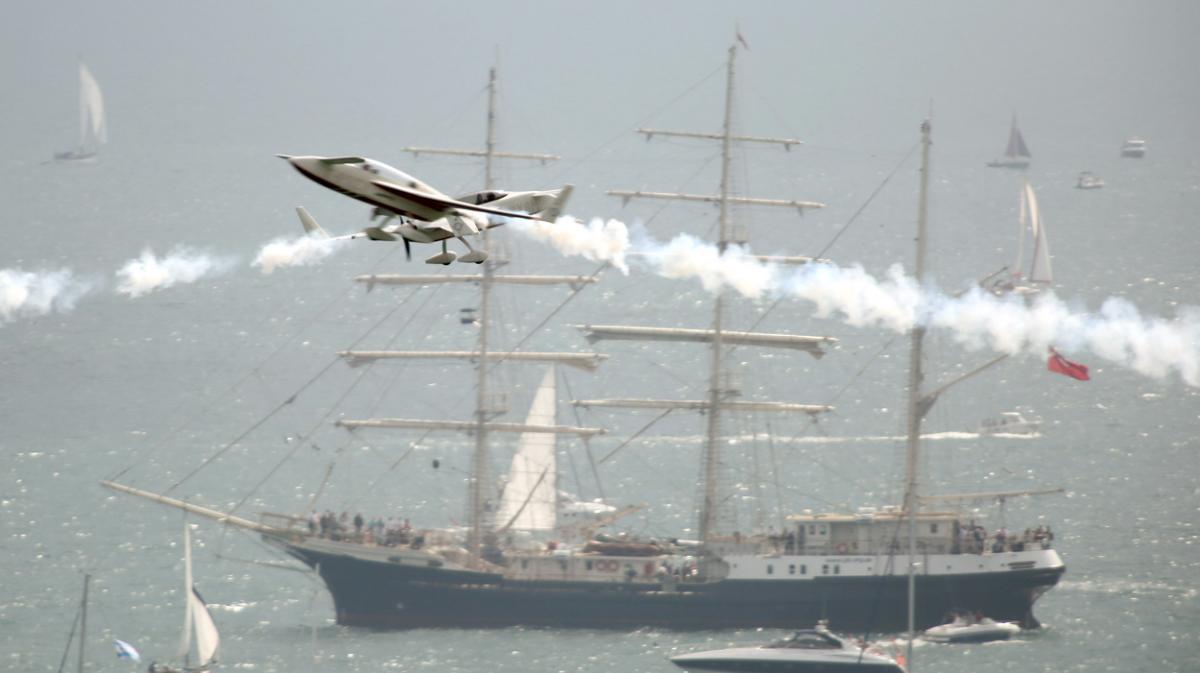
479	458
83	606
708	510
917	406
487	408
721	386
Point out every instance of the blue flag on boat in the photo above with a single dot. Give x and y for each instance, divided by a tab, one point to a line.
126	651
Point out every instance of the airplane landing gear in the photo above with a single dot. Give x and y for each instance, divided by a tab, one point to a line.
474	256
444	258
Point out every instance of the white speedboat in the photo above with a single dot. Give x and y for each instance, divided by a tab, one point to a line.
971	630
1009	423
1088	180
1134	148
807	651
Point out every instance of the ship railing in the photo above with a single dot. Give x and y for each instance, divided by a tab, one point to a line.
295	525
992	544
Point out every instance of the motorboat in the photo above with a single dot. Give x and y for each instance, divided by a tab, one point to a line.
968	629
1009	423
1088	180
1134	148
806	651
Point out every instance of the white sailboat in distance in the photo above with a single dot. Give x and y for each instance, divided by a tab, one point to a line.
531	503
93	129
530	498
197	624
1039	275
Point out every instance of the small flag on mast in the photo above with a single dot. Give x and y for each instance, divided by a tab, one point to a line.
1060	365
738	32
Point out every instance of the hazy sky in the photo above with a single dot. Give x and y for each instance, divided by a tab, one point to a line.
834	71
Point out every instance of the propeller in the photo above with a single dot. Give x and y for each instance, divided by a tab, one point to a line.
407	248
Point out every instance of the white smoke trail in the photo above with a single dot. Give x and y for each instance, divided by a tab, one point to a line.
1118	333
149	273
303	251
34	293
599	240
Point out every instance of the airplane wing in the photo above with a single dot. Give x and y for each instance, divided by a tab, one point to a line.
443	203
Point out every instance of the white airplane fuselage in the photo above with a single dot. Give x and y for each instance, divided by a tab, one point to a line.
357	180
425	214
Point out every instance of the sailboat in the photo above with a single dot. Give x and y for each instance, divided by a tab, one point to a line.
1016	154
843	567
93	130
80	623
198	624
124	649
531	504
529	501
1038	276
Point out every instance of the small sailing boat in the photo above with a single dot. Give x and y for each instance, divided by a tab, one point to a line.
1040	274
530	503
197	624
93	130
124	649
1016	155
80	623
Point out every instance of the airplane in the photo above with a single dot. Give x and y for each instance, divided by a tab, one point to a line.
425	214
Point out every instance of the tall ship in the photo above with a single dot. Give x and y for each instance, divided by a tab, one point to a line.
535	557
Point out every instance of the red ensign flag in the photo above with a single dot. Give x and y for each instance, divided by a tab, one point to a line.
1061	365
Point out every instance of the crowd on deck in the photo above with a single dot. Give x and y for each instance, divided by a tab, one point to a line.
969	538
974	539
389	532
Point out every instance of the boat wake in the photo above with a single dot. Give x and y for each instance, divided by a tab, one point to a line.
1129	587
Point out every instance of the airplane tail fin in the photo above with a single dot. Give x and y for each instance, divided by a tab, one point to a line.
310	225
556	209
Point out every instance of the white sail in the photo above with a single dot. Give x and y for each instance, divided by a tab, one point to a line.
196	618
529	501
1016	142
1022	223
185	641
93	131
1040	271
207	638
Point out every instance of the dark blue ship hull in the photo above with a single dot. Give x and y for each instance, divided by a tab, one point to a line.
400	596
